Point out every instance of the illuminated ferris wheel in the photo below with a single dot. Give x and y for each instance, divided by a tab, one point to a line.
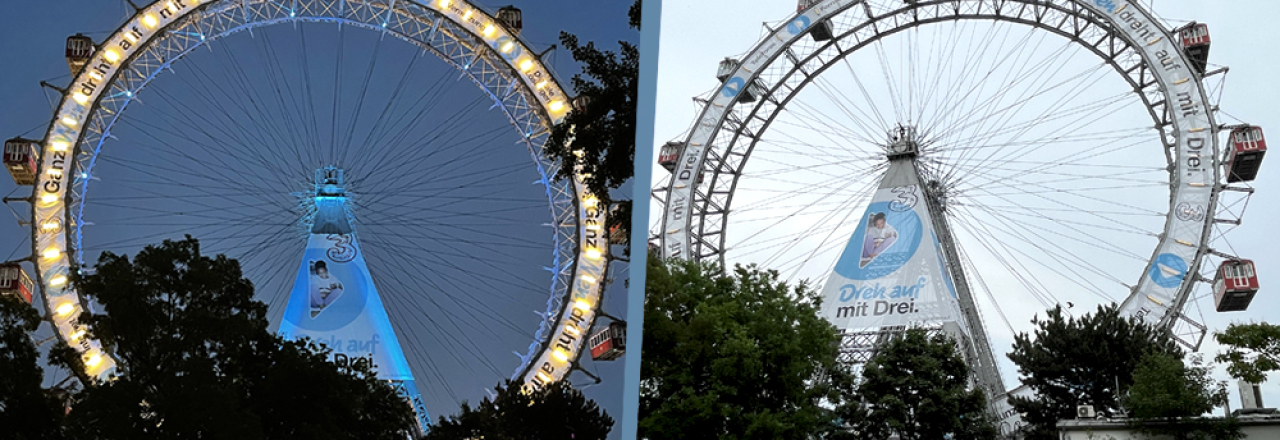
269	130
959	163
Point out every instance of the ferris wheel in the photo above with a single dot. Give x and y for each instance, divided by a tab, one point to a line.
972	163
247	119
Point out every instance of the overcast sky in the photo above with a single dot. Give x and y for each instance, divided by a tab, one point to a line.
730	28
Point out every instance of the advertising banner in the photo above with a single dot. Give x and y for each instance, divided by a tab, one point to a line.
335	303
891	273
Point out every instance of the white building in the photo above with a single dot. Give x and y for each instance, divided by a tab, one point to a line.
1255	427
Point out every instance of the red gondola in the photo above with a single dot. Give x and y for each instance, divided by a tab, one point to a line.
1245	156
14	281
511	17
616	234
20	159
79	49
1195	42
610	342
821	31
1235	285
670	154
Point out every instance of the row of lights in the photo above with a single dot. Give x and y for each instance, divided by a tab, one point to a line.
525	64
92	358
54	253
150	21
580	304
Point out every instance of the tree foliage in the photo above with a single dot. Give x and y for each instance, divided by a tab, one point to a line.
1253	350
603	127
1168	397
1070	361
917	386
556	411
736	355
1164	387
196	360
27	410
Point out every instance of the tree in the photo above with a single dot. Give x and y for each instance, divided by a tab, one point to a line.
1167	398
555	411
27	410
917	386
195	360
736	355
604	129
1253	350
1075	361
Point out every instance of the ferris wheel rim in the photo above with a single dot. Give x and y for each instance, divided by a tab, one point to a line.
808	77
714	119
491	43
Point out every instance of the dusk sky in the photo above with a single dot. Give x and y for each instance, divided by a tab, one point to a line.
453	218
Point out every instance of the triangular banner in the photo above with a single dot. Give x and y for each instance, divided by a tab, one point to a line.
335	302
891	272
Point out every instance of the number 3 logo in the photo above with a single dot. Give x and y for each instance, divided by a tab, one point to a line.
342	250
907	199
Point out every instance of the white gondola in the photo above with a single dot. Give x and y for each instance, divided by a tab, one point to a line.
747	93
820	31
511	18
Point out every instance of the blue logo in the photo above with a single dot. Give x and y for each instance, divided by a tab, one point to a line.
798	25
1168	270
1108	5
732	87
883	243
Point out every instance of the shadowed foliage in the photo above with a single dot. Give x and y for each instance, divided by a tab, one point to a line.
196	360
556	411
27	410
602	127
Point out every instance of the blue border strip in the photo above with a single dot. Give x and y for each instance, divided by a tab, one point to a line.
651	14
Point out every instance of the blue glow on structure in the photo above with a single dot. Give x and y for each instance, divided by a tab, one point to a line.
553	303
335	302
544	326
